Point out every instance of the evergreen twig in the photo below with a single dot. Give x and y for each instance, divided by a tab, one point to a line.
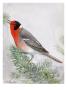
35	73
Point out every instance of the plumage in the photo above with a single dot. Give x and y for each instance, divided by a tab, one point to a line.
26	41
31	41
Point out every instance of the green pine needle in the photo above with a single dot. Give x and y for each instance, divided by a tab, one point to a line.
33	73
5	18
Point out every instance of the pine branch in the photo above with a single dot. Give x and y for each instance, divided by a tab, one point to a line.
34	73
5	18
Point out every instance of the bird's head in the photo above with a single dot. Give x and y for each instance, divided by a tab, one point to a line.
14	24
14	28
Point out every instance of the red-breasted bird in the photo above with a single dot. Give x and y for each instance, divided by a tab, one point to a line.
25	41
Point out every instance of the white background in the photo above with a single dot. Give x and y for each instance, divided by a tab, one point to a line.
44	21
30	87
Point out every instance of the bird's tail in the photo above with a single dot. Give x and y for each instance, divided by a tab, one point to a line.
52	57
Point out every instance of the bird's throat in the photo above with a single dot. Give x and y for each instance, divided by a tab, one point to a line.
15	35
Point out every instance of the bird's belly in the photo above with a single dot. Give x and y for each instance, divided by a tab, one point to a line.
25	48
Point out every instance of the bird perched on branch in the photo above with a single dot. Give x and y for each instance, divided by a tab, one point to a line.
25	41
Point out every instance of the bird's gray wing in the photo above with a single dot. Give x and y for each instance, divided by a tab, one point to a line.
31	41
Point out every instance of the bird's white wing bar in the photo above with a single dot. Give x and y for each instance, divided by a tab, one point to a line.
25	39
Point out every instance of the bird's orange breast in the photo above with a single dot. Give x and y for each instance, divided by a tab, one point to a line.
15	35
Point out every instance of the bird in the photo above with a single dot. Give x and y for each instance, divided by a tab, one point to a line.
26	42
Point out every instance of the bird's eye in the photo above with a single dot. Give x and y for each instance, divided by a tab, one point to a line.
17	25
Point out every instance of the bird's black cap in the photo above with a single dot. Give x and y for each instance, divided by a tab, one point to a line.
17	25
